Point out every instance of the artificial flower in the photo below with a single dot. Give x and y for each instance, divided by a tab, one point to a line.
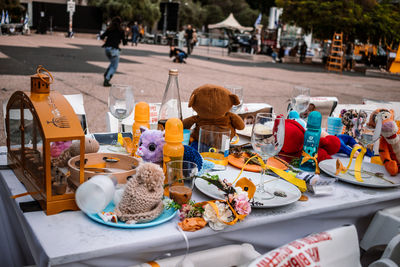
242	205
216	223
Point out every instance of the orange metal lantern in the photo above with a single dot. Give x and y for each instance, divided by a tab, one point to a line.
41	127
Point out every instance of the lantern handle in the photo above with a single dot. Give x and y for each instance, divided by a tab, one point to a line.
39	71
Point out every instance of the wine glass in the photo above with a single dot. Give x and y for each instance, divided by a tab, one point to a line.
120	104
300	99
237	90
267	140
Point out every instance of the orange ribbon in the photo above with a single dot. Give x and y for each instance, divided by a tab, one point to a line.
215	208
307	157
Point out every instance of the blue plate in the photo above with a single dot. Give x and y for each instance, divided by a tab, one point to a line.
165	216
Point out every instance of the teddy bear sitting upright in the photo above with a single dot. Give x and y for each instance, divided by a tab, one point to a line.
212	104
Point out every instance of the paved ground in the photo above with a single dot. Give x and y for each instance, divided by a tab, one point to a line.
78	65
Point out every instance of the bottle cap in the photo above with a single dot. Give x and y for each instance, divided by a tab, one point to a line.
174	130
173	72
314	120
142	112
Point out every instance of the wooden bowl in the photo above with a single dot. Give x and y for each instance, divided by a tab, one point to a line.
117	165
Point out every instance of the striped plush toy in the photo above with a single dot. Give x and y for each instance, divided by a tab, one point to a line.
389	144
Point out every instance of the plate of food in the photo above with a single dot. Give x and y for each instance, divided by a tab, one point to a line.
284	193
165	216
373	175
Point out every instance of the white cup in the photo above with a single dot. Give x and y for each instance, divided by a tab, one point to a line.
94	195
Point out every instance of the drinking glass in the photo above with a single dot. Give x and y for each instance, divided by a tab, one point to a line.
181	175
267	140
214	144
237	90
365	134
120	104
300	99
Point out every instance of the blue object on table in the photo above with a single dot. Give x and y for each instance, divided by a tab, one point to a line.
347	143
108	138
165	216
311	141
186	136
335	126
192	155
294	115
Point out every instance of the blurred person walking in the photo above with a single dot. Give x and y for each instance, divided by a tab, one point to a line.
189	37
349	57
303	52
194	40
114	34
181	38
135	33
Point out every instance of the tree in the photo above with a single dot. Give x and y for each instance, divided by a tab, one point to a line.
366	20
129	10
14	8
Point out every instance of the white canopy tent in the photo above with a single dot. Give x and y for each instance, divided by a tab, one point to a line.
230	23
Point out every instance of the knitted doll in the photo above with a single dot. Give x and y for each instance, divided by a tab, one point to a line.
151	145
142	197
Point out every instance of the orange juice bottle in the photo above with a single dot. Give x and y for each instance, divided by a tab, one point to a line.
142	118
173	148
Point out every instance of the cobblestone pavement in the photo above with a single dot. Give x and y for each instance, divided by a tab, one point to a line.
78	65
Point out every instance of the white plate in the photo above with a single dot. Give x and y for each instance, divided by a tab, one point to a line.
329	166
246	131
291	191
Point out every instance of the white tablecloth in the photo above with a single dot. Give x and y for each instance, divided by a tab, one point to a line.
71	238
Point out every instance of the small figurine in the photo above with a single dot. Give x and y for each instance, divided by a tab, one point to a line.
151	145
349	119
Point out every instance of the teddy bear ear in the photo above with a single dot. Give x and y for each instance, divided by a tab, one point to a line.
143	129
234	99
192	100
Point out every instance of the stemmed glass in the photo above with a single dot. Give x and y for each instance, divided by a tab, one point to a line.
237	90
363	132
366	135
300	99
267	140
120	104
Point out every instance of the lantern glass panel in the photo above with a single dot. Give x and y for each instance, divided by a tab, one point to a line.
61	152
33	149
15	128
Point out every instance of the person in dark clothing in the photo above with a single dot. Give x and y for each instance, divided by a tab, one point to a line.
115	34
189	37
303	51
281	53
135	34
178	54
349	57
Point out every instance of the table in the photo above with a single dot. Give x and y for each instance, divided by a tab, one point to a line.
71	238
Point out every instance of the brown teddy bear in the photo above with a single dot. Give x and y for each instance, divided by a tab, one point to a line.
212	104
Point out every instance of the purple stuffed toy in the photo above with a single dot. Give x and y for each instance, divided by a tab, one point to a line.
151	145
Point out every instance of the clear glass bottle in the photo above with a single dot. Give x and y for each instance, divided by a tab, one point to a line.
171	102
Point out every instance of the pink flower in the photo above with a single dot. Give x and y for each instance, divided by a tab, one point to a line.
242	205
